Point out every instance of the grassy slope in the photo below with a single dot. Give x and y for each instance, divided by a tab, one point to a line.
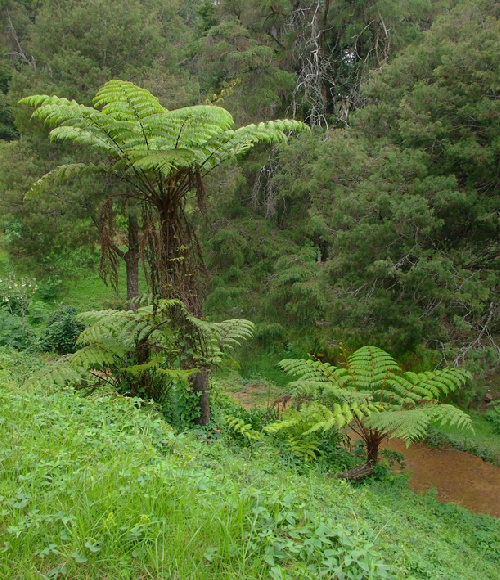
96	488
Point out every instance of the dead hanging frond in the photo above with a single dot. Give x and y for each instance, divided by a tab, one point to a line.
171	253
201	192
110	253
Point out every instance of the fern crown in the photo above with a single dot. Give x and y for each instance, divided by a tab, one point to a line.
129	124
372	389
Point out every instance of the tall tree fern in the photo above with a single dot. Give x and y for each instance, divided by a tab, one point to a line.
372	395
161	156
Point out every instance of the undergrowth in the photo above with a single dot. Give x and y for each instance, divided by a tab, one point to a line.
102	487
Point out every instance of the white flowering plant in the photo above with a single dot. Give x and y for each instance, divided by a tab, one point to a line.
16	294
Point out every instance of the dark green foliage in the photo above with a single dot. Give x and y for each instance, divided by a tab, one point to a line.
13	331
493	415
62	331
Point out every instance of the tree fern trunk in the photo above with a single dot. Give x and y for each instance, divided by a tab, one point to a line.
132	260
372	439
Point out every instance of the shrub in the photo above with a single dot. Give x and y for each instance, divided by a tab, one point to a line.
493	415
62	331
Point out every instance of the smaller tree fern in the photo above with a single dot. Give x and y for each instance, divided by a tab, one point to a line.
141	353
372	395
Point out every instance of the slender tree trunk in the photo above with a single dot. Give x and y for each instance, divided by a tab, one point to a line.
200	385
132	260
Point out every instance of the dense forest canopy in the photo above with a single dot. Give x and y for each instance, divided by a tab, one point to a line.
379	226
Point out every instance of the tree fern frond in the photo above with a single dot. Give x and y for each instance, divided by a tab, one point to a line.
97	355
372	364
85	136
308	369
407	424
435	384
125	101
178	375
56	176
162	161
57	374
443	414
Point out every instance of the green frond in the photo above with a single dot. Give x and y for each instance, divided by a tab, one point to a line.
238	425
307	449
106	324
57	374
57	176
138	369
223	336
162	161
124	101
97	356
412	424
373	362
291	418
443	414
407	424
397	387
435	384
85	136
178	375
307	369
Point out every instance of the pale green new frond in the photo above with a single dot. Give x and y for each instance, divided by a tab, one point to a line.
125	101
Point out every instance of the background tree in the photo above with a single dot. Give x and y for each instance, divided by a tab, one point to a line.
401	208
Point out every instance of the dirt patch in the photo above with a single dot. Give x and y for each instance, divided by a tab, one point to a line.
255	395
457	476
